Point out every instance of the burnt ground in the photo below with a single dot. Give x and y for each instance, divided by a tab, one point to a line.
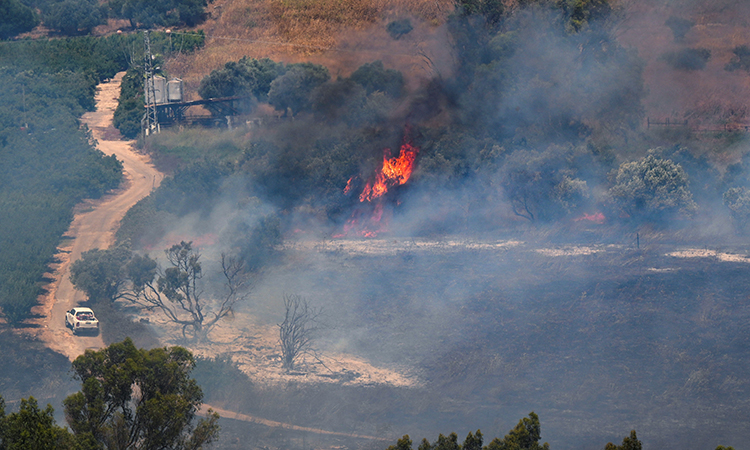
597	340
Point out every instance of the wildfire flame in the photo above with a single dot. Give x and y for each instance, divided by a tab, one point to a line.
395	172
597	218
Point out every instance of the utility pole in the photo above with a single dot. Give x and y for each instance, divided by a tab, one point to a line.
151	119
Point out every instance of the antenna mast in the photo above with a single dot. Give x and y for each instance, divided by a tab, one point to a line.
151	120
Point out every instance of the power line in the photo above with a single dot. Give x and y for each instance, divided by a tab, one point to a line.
151	117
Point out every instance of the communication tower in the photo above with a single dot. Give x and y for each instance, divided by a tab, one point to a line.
151	120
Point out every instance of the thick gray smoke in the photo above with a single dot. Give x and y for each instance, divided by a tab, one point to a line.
504	276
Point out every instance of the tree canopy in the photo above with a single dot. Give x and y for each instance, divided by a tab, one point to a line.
17	18
32	428
151	13
628	443
135	398
292	90
651	188
524	436
72	17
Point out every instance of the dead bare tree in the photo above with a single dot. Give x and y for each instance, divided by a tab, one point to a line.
297	331
176	291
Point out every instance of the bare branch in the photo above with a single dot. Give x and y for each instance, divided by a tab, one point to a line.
297	330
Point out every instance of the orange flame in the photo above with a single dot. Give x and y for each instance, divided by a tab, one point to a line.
348	185
396	171
597	218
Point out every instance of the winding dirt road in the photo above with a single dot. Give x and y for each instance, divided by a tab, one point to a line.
95	223
94	226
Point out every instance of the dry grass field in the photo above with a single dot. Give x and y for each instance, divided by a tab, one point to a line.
340	34
705	96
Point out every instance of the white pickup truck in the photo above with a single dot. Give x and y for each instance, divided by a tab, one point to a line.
81	319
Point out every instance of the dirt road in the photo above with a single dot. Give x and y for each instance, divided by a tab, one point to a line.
95	223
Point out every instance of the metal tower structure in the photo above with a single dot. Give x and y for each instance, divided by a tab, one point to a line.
151	120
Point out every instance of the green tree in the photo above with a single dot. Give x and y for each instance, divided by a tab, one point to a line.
32	428
101	273
374	77
687	58
652	188
629	443
73	17
16	18
525	436
541	186
248	76
292	90
150	13
473	441
740	60
402	444
492	10
128	116
139	399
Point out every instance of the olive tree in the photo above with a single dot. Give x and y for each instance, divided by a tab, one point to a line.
542	186
652	188
291	92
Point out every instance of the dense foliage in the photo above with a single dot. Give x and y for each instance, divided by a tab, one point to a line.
129	398
47	166
135	398
16	18
32	427
47	163
73	17
151	13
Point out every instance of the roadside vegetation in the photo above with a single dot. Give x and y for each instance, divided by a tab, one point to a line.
48	163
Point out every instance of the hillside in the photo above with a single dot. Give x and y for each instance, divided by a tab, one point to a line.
710	95
339	35
344	36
